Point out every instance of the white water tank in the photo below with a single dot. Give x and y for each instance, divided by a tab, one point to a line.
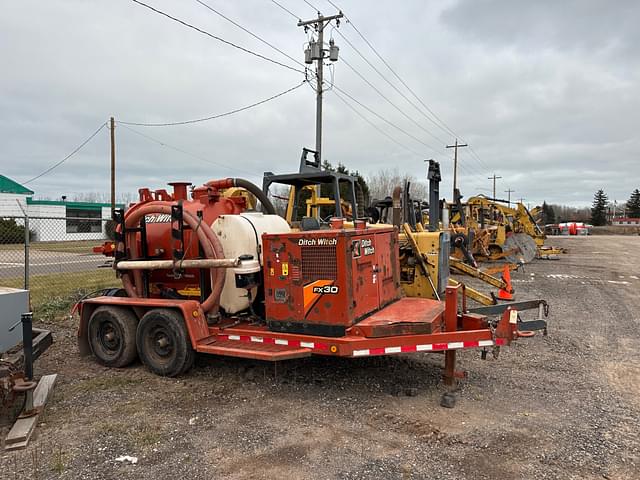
242	235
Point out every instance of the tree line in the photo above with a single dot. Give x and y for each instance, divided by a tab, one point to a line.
601	207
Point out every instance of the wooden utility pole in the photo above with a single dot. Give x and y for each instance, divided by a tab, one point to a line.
317	52
455	147
112	128
509	192
494	184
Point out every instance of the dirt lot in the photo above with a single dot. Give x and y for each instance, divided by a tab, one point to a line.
563	406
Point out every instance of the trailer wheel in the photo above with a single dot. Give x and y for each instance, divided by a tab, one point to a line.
163	343
112	336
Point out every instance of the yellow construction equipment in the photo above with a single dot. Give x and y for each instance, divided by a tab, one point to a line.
498	230
424	255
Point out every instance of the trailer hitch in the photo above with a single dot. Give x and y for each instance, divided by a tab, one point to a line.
534	325
539	323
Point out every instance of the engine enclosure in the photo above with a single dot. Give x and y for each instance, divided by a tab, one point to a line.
322	282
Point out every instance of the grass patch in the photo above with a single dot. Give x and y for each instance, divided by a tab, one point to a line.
58	462
140	434
145	435
100	384
76	246
53	295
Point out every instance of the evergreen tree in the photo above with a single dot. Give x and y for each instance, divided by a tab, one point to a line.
633	205
599	208
362	189
548	215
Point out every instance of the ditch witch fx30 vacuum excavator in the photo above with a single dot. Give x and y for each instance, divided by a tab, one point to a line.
203	274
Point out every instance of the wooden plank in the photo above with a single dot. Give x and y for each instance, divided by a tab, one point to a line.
21	432
43	390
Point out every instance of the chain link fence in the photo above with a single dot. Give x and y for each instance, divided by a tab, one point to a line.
54	258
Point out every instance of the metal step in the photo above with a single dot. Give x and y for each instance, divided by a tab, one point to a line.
255	350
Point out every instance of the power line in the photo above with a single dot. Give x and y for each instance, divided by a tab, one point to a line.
215	37
316	9
417	154
385	120
391	84
443	126
286	10
76	150
212	117
257	37
478	158
402	112
185	152
477	169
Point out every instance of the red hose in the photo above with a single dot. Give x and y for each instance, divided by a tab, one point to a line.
208	239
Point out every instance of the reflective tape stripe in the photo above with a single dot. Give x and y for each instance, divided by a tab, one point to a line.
428	347
276	341
369	351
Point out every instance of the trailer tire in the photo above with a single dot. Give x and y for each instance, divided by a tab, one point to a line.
112	336
163	343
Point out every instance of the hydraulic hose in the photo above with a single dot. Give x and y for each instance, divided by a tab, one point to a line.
211	247
247	185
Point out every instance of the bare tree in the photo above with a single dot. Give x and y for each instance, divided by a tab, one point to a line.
382	183
279	196
104	197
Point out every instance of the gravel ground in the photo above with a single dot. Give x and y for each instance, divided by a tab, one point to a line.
563	406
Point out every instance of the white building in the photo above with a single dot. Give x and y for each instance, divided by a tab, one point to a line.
53	220
626	221
12	197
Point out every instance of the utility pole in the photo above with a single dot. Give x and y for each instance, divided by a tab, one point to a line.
112	128
509	192
494	184
455	147
316	52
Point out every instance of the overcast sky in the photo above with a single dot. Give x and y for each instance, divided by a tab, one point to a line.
545	92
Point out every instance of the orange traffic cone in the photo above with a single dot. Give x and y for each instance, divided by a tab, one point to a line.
506	293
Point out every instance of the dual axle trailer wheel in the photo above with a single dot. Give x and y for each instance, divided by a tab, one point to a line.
160	339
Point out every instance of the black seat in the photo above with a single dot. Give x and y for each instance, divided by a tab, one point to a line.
309	223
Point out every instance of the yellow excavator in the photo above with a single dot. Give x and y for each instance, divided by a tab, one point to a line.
498	231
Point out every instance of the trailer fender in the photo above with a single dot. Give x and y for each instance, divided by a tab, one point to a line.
84	311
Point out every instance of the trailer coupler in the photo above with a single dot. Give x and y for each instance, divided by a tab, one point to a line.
539	323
